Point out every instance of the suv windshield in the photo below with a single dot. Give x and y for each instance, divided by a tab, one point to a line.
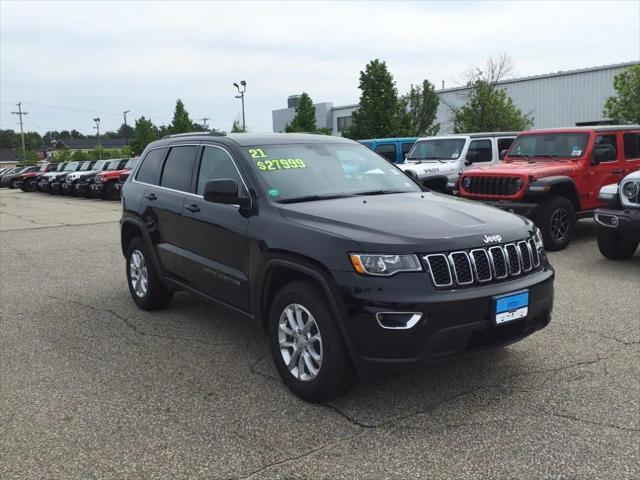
60	167
437	149
71	167
300	172
549	145
113	165
86	166
131	164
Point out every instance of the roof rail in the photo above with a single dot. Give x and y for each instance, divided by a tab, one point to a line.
211	133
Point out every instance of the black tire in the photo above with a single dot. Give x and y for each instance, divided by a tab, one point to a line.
29	186
614	246
111	192
336	372
156	295
13	185
549	215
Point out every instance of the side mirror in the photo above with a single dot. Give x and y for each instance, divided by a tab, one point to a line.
472	156
224	191
503	153
602	153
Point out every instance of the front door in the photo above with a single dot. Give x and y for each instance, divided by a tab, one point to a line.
216	234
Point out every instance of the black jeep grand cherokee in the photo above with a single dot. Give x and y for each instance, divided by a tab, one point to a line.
349	264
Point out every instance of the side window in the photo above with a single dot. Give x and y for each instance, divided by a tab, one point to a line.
483	147
149	171
631	146
504	143
216	164
612	152
178	168
388	151
406	148
343	123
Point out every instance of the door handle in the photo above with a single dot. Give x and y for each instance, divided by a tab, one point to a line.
617	171
192	207
150	196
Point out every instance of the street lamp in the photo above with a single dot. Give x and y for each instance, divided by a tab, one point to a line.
241	97
97	127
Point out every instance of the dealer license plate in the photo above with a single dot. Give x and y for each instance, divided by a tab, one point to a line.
511	307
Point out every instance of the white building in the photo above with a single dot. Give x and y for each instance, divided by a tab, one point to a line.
561	99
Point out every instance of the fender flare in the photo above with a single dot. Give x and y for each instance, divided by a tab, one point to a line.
544	185
146	238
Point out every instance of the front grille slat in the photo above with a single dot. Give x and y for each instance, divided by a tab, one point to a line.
492	185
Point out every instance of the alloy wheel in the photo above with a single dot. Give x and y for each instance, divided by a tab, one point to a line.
139	273
300	342
559	224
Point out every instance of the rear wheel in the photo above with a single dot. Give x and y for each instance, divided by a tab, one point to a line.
145	286
306	345
13	184
556	219
614	246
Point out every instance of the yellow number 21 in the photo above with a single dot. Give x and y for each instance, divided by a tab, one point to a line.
257	153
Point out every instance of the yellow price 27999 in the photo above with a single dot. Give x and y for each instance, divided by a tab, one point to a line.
280	164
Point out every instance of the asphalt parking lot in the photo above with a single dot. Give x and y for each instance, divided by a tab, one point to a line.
92	387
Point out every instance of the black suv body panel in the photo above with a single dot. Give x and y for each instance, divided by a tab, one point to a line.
237	256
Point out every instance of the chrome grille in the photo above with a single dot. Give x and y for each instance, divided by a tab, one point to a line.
483	265
487	185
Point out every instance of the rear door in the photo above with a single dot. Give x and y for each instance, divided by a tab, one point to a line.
166	186
217	262
631	151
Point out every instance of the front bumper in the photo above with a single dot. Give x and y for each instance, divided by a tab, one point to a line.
56	187
68	188
44	186
83	189
96	187
627	222
453	323
520	208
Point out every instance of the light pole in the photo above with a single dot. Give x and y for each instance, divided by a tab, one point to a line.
97	127
241	97
124	114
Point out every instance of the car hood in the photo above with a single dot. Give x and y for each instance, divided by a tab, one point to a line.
633	176
77	175
404	222
546	168
432	169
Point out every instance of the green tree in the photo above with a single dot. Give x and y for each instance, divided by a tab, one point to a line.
236	128
30	157
125	131
79	156
126	151
488	108
8	139
144	133
305	118
181	121
63	155
422	107
625	106
380	114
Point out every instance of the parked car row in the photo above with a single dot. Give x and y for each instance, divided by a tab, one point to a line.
93	179
551	176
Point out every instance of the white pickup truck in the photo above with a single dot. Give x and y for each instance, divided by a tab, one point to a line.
438	161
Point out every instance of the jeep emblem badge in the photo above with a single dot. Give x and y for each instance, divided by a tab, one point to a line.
492	238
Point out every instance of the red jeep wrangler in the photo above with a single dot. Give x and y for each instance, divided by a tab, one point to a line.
106	184
554	176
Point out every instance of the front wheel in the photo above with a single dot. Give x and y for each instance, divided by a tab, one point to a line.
13	185
111	192
145	286
614	246
556	219
306	345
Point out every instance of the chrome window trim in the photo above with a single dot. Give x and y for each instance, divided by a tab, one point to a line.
511	271
475	267
493	263
446	261
135	173
455	270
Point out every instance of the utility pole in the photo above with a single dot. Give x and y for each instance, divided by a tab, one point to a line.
20	113
204	123
97	127
241	97
125	116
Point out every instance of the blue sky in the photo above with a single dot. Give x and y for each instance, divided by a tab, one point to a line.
69	62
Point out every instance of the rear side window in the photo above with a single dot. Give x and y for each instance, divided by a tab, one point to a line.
504	143
216	165
149	171
483	147
612	152
631	145
406	148
388	151
178	168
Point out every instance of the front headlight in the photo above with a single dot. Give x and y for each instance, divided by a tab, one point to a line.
519	182
384	265
630	189
466	182
537	238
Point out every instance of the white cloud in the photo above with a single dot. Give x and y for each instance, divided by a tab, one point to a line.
112	56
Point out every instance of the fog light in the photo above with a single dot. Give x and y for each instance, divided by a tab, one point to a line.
398	320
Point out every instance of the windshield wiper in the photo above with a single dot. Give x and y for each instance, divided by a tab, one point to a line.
426	158
548	155
311	198
378	192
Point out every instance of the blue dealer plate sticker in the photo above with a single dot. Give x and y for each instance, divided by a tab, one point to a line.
511	307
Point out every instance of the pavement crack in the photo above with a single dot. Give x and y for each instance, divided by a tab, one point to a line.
615	339
255	371
584	420
349	418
